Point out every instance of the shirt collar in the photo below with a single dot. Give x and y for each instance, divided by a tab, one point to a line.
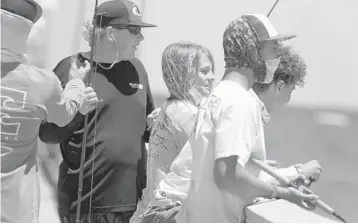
265	116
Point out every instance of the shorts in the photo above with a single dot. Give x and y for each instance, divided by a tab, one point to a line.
110	217
162	214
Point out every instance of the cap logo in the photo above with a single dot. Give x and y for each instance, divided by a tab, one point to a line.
136	11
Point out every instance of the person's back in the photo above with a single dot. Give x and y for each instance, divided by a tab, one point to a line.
27	98
171	131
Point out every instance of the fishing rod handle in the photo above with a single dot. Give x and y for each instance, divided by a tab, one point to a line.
320	204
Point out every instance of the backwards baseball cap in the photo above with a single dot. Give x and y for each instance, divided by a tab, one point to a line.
28	9
120	12
264	29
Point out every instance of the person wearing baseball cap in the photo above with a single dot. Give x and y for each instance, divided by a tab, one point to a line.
114	172
229	131
29	95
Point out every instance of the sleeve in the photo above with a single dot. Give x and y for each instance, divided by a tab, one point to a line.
235	133
51	132
149	109
63	104
150	102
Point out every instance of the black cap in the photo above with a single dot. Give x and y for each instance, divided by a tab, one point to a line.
120	12
28	9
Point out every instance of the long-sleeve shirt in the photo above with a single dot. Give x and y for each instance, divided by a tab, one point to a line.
115	150
29	95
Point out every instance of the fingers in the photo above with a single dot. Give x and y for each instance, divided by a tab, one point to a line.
309	205
85	69
88	90
150	126
154	113
92	101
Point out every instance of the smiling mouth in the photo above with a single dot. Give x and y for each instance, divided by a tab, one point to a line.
208	86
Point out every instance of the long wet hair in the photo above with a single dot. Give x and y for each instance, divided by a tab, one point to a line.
180	68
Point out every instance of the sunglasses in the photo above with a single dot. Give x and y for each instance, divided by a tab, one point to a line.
135	30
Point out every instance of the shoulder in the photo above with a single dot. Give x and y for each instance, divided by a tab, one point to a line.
229	99
181	113
63	64
181	108
63	67
40	75
138	66
137	63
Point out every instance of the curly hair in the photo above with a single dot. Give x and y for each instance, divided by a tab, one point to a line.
291	70
180	67
242	48
88	32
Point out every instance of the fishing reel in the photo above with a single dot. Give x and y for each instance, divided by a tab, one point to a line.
301	181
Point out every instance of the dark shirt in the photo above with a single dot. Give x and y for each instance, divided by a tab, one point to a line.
115	151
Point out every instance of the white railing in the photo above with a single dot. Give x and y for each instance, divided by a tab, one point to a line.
281	211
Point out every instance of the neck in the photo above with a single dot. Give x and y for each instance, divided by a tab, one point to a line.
265	99
103	54
243	76
15	31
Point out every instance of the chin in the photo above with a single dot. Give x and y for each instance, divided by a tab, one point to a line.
129	56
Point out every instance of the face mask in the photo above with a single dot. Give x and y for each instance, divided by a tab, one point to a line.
15	31
271	66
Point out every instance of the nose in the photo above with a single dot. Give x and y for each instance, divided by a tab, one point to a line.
211	76
140	37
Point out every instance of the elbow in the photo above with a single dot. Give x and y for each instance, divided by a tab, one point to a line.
46	134
224	172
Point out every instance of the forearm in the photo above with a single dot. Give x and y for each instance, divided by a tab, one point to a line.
289	173
64	105
253	186
51	133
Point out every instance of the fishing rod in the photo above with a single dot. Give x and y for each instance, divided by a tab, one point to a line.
86	126
272	8
285	182
320	204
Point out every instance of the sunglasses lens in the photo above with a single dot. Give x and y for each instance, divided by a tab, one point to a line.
134	30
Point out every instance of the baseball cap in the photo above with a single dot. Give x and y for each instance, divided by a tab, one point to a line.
264	29
28	9
120	12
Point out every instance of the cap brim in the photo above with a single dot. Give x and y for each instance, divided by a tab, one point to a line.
38	9
141	24
282	37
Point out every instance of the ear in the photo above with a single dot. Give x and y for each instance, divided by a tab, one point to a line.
109	33
279	86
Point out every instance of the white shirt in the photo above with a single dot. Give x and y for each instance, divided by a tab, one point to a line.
229	124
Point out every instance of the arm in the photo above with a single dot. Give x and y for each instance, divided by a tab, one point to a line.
51	132
290	173
63	104
235	138
311	169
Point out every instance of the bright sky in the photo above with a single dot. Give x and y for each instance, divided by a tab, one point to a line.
327	38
